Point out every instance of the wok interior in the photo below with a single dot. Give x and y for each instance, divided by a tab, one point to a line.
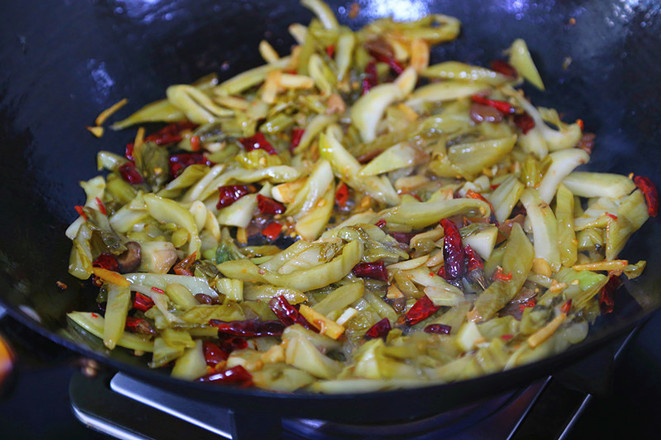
64	63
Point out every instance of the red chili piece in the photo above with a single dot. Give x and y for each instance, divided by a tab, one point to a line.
453	250
178	162
530	303
231	343
272	230
606	301
249	328
505	68
213	354
157	290
650	193
566	307
506	337
230	194
501	106
296	136
379	330
287	314
140	326
422	309
330	50
195	143
525	122
130	173
500	275
267	205
440	329
235	375
80	211
342	194
403	237
371	78
381	223
614	217
128	152
473	261
142	302
474	195
257	142
170	133
375	270
102	207
106	261
183	267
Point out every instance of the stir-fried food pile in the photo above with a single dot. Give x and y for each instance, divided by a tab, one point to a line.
350	217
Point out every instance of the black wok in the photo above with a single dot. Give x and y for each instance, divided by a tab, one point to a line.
63	62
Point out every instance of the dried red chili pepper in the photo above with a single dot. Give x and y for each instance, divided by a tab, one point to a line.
530	303
501	106
140	326
80	211
580	124
106	261
403	237
257	142
441	273
142	302
296	136
394	65
213	354
524	122
499	275
102	207
506	337
128	152
473	261
371	78
235	375
440	329
229	194
453	250
330	50
231	343
170	133
249	328
505	68
566	307
267	205
475	195
157	290
375	270
272	230
379	330
183	267
179	162
130	173
342	194
606	300
195	143
288	314
651	194
422	309
381	223
614	217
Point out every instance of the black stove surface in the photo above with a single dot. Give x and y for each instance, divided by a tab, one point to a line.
35	404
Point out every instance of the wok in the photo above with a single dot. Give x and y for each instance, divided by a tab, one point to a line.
63	62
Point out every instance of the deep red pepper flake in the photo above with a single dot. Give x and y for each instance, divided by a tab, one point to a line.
170	133
79	210
94	315
403	237
267	205
157	290
138	325
342	194
613	216
106	261
381	223
130	173
195	143
102	207
375	270
272	230
179	162
440	329
128	152
453	250
371	78
502	106
580	123
249	328
229	194
213	354
142	302
475	195
288	314
651	194
606	300
528	304
473	260
441	273
499	275
257	142
296	136
504	68
566	307
235	375
330	50
506	337
422	309
524	122
379	330
183	267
